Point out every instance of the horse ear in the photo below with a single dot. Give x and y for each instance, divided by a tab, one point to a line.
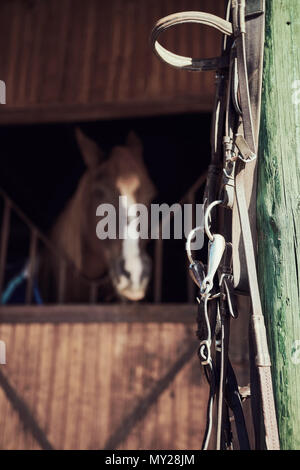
134	143
91	152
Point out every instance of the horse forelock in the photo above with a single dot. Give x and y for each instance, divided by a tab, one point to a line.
131	174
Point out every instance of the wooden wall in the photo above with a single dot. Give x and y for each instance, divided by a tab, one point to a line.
75	60
132	382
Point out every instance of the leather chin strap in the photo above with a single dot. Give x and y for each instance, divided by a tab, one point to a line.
232	181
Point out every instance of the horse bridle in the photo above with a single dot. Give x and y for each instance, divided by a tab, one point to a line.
230	219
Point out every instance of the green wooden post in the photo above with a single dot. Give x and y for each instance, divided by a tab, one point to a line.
278	210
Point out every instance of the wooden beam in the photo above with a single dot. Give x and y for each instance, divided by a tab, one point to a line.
105	313
25	414
278	210
60	112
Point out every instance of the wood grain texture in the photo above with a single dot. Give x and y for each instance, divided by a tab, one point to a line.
68	60
278	210
102	385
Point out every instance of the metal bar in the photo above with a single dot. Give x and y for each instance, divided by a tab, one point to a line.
61	281
158	252
31	266
190	282
93	292
54	249
31	226
194	188
158	268
4	240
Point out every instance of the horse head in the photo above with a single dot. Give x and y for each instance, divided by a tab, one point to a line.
122	173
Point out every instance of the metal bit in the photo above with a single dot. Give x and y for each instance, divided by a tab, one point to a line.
197	272
216	249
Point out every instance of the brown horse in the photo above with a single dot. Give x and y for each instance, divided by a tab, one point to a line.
125	261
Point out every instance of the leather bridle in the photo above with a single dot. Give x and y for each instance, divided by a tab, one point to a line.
230	198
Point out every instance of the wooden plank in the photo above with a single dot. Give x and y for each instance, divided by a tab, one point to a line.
14	380
104	376
165	410
181	410
44	380
35	78
34	341
88	400
150	372
278	211
74	63
105	313
17	428
20	389
150	398
8	335
90	42
26	418
126	357
198	395
59	375
74	389
91	386
66	112
14	362
68	60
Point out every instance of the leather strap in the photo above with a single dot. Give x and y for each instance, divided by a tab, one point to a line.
233	400
262	358
237	62
183	62
262	354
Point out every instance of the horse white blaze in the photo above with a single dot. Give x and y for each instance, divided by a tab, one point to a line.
130	246
133	262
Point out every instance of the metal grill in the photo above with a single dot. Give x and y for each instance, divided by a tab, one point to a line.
38	239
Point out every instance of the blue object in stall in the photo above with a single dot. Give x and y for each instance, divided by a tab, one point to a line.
16	288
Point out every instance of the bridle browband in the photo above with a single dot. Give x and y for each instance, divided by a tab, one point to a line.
229	201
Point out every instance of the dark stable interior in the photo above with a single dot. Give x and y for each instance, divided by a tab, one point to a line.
40	167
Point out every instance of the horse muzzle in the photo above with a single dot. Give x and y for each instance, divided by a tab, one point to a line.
131	280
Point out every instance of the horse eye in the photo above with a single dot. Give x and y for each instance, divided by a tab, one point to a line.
99	194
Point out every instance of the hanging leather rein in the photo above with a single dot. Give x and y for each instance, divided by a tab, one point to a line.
230	198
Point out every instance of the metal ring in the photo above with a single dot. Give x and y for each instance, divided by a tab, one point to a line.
189	63
206	216
188	242
204	352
